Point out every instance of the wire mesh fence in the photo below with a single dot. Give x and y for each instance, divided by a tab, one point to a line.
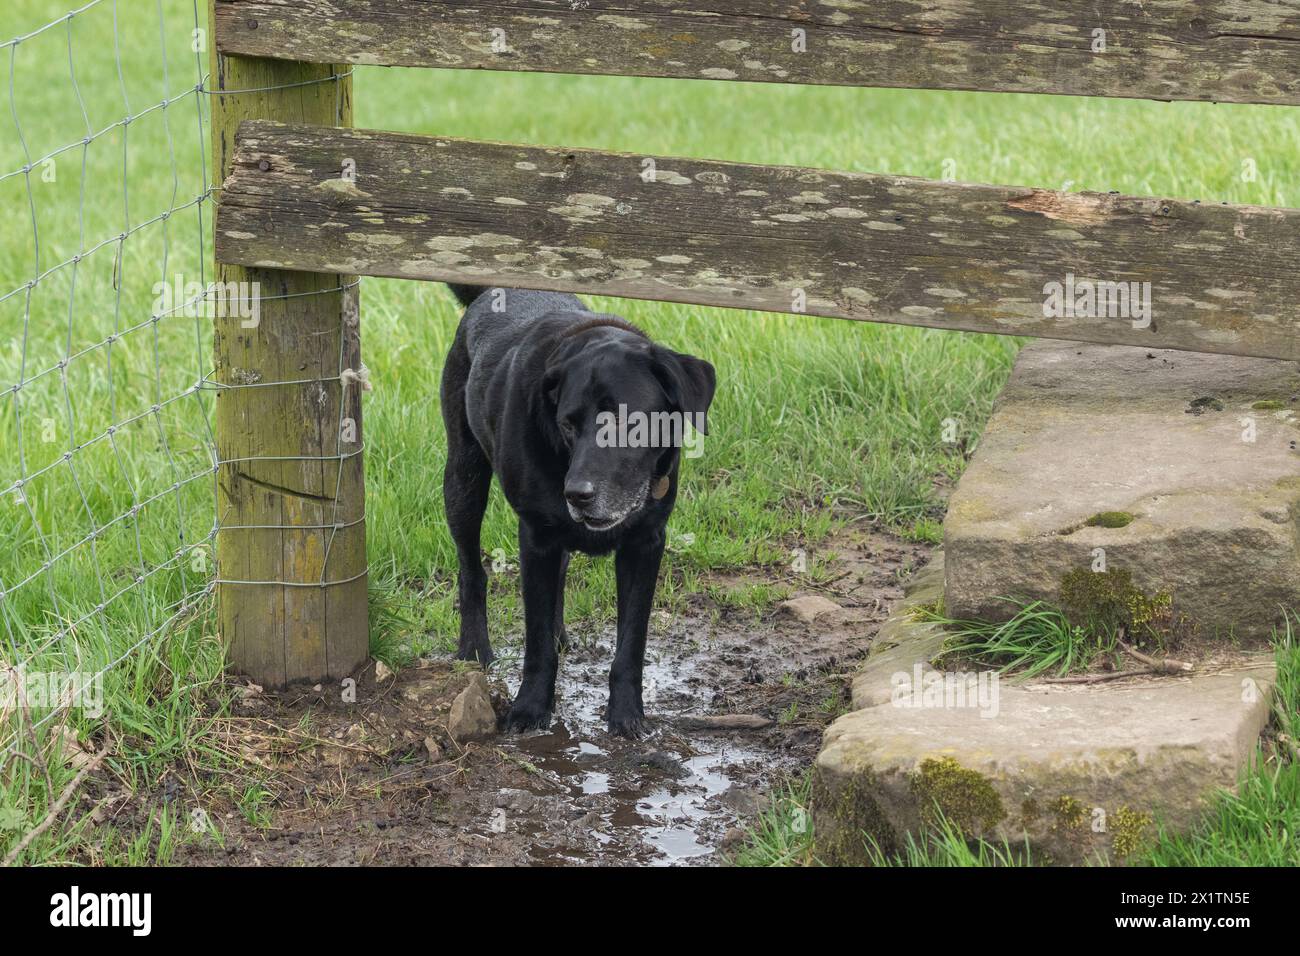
107	456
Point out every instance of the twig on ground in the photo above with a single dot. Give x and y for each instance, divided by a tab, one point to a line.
59	804
1166	665
1098	678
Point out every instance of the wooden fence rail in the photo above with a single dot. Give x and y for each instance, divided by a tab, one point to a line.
1232	51
779	239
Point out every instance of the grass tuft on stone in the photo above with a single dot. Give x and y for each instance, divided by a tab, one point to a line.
1038	639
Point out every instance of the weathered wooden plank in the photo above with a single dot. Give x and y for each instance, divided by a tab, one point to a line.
849	245
1239	51
277	424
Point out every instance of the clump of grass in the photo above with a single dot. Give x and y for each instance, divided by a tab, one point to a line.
783	833
945	844
397	636
1038	639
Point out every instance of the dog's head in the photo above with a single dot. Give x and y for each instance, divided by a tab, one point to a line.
623	409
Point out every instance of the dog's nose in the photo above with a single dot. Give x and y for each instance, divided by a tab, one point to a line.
579	493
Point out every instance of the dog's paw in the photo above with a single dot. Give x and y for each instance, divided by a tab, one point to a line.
481	655
628	723
525	716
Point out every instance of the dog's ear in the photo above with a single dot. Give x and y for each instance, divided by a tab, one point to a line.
689	383
557	368
551	382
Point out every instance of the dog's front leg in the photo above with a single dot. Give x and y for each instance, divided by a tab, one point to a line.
636	567
539	567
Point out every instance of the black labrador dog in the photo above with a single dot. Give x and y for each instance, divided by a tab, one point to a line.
555	400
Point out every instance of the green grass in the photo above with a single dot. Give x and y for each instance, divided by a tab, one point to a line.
946	846
1038	639
1287	710
782	834
815	420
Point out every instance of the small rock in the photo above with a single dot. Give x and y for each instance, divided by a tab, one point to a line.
250	690
807	608
744	800
382	671
435	752
733	838
520	800
472	716
659	760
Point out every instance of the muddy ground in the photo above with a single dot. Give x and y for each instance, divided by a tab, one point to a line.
381	782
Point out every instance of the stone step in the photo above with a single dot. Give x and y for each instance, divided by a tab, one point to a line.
1080	773
1178	468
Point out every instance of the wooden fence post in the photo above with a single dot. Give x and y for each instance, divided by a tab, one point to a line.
291	546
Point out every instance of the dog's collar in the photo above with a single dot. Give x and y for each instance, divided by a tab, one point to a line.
659	488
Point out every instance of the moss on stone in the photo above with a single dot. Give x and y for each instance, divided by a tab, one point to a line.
965	798
1070	814
1269	405
846	814
1105	601
1110	519
1130	831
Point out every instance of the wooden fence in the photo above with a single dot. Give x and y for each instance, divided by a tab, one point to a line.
308	204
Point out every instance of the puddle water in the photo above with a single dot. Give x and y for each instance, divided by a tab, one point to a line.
663	800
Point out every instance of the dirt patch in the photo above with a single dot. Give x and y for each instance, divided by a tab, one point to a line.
380	781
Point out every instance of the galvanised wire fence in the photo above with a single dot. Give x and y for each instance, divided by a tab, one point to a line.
107	456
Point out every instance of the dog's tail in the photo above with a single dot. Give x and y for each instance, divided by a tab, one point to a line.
466	293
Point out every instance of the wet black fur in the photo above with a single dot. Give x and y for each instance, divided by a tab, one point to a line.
509	374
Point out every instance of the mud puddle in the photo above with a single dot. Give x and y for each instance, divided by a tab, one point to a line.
381	781
669	798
